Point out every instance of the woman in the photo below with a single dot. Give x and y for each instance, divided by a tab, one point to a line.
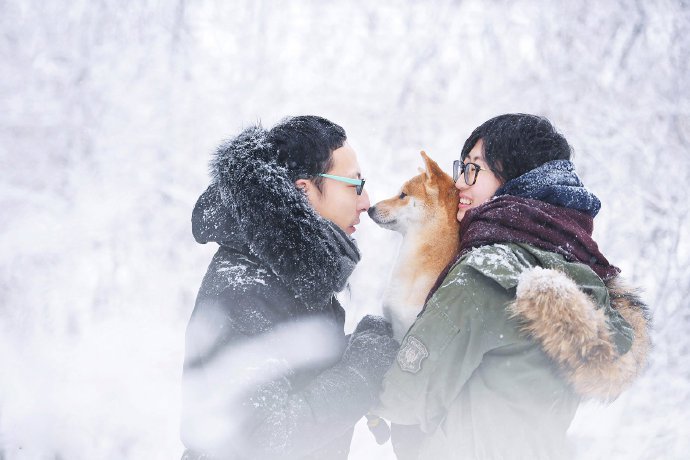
268	370
527	321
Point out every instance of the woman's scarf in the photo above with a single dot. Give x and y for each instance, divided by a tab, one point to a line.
554	182
511	219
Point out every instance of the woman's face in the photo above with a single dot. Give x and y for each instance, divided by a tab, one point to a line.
483	189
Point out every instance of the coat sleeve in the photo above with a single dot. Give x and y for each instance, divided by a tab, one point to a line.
460	323
239	394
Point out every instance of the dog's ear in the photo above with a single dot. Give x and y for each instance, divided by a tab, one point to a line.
432	168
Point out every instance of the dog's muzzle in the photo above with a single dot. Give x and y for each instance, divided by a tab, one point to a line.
382	220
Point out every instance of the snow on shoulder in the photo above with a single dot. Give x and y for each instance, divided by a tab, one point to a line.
498	262
540	279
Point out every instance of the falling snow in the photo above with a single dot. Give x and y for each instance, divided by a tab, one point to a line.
111	112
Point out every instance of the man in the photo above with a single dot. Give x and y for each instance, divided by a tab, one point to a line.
269	372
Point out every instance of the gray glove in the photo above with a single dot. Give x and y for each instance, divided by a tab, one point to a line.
371	350
376	324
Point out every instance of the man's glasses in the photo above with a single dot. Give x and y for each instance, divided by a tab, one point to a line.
468	170
358	183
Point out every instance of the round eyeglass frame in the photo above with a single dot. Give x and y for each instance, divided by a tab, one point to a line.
460	167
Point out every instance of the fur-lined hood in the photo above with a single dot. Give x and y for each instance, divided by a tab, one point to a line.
575	333
253	206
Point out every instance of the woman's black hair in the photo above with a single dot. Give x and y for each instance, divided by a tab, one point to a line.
305	146
516	143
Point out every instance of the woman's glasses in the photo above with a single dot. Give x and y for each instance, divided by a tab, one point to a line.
358	183
468	170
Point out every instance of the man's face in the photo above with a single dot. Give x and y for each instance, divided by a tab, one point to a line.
338	201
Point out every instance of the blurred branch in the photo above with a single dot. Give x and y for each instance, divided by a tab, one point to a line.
178	25
634	35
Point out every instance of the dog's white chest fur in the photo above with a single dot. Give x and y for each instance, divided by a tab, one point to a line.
407	289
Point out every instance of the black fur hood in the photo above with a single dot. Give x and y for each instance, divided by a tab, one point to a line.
253	206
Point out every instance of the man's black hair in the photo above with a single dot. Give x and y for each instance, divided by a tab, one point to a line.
516	143
305	145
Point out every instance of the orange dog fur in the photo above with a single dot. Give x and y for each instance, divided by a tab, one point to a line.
424	212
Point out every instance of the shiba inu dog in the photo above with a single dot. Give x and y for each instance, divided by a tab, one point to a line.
424	212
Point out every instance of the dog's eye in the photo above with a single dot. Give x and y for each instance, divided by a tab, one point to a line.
403	195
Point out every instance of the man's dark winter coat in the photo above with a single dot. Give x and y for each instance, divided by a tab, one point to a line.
269	372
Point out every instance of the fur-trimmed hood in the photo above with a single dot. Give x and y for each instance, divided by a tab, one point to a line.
253	206
574	332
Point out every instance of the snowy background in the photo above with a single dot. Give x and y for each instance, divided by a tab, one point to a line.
110	110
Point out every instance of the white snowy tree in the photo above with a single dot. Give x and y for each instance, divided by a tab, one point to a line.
110	112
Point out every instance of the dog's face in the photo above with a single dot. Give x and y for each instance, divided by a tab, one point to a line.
427	199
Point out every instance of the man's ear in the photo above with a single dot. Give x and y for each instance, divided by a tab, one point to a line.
303	185
309	189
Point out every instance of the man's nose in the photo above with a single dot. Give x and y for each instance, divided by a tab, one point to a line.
363	201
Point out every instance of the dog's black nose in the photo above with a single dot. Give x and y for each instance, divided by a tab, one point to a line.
371	211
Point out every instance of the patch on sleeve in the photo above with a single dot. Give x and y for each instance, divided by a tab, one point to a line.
411	354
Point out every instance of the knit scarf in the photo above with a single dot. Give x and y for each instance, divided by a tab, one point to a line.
554	182
511	219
